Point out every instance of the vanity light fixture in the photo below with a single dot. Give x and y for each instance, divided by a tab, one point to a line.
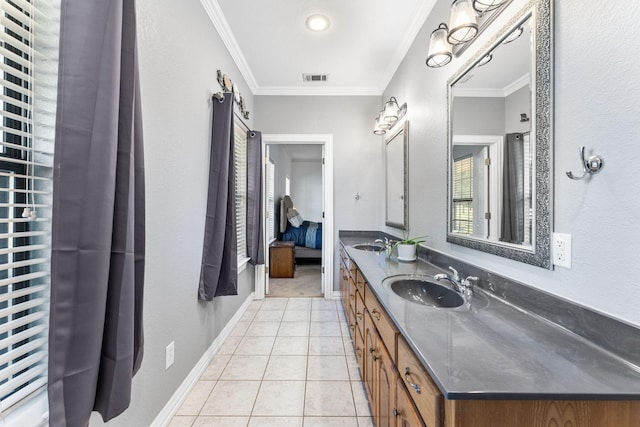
462	23
483	6
439	48
389	115
317	22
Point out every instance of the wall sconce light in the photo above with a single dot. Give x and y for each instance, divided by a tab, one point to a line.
483	6
439	48
389	115
462	23
463	27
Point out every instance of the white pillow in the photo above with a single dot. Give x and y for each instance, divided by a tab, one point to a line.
296	221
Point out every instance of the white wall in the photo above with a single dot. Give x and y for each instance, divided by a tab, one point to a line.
306	188
358	167
179	53
597	102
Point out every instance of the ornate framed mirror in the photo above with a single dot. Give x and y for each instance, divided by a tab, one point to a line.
500	142
397	178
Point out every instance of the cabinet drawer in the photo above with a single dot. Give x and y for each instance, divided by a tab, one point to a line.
360	282
351	321
359	349
383	324
422	389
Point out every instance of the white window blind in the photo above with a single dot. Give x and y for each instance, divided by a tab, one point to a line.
28	51
462	215
240	162
271	200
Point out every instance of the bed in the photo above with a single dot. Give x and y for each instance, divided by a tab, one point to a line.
306	235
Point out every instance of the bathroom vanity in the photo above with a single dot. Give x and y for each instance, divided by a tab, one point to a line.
485	363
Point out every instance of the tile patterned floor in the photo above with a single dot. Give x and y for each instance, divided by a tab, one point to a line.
287	363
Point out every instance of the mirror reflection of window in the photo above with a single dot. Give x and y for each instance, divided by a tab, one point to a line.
462	215
287	186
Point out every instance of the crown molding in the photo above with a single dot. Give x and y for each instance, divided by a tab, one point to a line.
222	26
493	93
421	14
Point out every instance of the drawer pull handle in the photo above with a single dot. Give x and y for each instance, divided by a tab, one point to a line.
396	413
352	296
359	352
373	354
359	315
416	387
375	314
352	327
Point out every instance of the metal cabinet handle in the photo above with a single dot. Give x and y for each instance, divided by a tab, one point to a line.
352	296
359	352
375	314
396	413
352	327
358	315
416	387
373	354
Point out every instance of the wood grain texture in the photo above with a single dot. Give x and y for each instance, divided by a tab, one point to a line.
541	413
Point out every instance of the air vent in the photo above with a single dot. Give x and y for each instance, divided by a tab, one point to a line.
314	77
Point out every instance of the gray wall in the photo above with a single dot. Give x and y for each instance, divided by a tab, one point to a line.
358	166
176	82
478	116
596	105
306	188
516	103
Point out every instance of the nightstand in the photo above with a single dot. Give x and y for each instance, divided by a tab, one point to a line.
281	259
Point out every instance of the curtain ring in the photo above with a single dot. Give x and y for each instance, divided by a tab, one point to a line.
219	96
253	134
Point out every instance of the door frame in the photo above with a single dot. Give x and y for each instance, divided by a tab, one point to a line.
326	140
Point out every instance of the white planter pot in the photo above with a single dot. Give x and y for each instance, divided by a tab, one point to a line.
406	252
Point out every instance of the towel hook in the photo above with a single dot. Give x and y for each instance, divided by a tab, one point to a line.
589	166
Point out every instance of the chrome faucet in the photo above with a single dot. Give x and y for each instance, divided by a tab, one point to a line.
386	242
454	279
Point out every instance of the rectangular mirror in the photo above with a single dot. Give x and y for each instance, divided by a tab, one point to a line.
500	113
397	178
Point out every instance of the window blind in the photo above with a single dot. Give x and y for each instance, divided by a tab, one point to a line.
240	163
462	215
28	51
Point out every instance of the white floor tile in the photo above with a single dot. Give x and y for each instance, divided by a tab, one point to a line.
255	304
366	422
299	304
291	346
274	304
231	398
344	328
248	315
323	304
354	368
229	345
281	368
330	422
327	368
329	398
280	398
240	329
262	329
196	398
294	329
182	421
255	345
326	346
269	316
296	316
275	422
221	422
245	367
216	367
325	329
324	316
360	399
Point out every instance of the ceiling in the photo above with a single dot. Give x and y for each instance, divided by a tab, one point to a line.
360	52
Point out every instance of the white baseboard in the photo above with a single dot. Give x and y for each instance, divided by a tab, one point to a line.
172	406
336	295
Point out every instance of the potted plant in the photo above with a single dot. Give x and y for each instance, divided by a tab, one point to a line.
407	247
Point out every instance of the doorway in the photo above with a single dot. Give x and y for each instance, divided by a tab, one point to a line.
317	207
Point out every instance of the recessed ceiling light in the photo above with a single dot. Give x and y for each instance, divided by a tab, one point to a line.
317	22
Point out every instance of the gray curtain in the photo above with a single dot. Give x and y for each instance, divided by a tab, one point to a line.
513	190
219	271
255	221
98	230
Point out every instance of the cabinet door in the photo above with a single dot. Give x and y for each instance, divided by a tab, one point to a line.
405	413
370	342
386	393
344	286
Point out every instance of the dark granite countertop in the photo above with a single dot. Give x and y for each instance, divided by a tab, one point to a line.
493	350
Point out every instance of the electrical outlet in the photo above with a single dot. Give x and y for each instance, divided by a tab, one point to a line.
169	355
562	250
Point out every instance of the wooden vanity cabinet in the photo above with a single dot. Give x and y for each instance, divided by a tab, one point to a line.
406	413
